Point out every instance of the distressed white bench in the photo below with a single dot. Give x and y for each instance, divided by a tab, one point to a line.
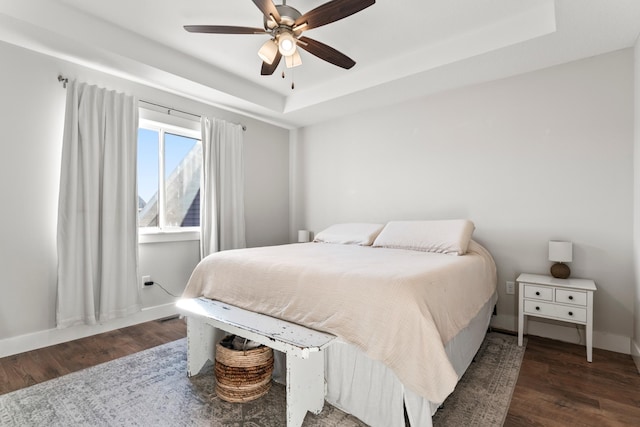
206	319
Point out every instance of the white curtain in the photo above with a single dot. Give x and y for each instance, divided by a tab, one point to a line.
97	212
222	196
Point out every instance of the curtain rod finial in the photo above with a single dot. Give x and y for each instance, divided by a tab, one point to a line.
63	80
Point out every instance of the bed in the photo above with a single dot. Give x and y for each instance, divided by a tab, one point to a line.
409	301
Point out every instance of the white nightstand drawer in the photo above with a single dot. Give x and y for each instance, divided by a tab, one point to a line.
538	292
575	314
571	297
538	308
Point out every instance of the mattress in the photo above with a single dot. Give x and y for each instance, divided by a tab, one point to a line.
399	307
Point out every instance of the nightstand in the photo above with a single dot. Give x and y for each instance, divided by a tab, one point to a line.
568	300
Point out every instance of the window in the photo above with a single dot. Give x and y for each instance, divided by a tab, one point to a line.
169	171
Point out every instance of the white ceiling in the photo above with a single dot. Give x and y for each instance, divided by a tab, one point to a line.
402	48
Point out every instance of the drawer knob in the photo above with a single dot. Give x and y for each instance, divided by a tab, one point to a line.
538	293
571	297
538	308
571	313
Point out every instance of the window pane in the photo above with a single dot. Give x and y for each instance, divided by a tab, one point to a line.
182	168
147	178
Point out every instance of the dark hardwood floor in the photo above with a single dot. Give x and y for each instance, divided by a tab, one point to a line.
26	369
556	386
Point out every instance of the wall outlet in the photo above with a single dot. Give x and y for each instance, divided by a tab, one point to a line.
145	280
511	288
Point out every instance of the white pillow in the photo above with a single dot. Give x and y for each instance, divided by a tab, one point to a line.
442	236
350	234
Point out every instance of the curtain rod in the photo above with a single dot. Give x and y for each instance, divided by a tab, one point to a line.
170	109
65	80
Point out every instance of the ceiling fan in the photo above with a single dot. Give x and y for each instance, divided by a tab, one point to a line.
285	25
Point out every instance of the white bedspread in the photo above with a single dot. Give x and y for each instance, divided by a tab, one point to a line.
399	306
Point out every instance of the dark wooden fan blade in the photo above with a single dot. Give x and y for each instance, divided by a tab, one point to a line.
268	8
268	69
331	12
325	52
223	29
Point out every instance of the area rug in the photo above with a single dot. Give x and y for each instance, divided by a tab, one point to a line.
483	395
150	388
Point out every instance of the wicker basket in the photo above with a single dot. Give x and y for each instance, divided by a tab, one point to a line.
242	375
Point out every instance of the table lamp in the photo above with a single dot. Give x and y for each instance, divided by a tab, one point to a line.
304	236
559	253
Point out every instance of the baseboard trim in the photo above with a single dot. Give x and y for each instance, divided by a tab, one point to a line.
567	333
40	339
505	322
635	353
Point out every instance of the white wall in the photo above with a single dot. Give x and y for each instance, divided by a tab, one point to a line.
545	155
31	120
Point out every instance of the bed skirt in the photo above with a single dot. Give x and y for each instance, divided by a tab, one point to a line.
370	391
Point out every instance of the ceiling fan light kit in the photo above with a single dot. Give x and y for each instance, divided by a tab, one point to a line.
268	51
293	60
286	43
285	25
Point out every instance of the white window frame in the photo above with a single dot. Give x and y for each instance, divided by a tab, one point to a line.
167	123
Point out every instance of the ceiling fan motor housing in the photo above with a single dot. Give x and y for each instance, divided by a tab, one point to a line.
288	16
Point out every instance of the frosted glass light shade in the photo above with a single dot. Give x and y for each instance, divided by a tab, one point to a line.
268	51
293	60
286	44
560	251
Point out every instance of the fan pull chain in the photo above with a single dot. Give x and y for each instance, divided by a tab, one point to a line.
293	85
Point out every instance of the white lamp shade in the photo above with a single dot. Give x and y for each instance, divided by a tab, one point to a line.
293	60
268	51
560	251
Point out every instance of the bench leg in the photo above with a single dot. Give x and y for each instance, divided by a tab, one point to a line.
201	344
305	387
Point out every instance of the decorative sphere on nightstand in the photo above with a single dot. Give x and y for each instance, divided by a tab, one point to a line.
560	270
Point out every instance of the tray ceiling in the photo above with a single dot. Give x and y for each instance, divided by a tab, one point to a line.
403	48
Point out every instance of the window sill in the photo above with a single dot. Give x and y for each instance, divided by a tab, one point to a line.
167	236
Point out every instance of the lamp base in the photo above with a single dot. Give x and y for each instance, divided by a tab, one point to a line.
560	270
